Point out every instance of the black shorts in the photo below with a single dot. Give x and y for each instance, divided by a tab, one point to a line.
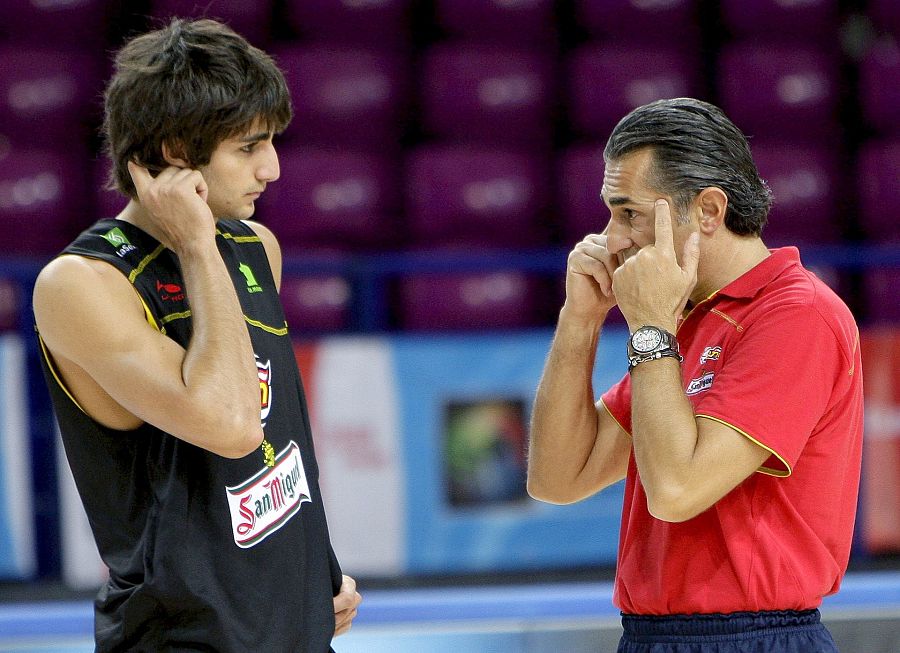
783	631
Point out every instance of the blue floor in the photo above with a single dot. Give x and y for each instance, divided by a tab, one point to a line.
505	619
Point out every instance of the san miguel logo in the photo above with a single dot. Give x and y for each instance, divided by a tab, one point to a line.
700	384
267	501
169	292
710	354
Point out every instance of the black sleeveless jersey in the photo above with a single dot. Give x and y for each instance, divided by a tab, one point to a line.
205	553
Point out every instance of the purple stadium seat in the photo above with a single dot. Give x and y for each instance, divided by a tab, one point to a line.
670	21
886	14
493	21
879	190
372	22
778	19
343	96
879	96
316	303
487	94
881	288
467	301
331	198
803	180
779	90
607	81
61	22
11	304
471	195
252	20
107	203
47	96
41	200
580	178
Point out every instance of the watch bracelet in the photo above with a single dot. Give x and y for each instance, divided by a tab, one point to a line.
665	353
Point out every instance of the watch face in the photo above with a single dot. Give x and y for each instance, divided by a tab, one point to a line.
645	340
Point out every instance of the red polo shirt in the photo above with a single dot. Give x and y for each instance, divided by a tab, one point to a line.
775	355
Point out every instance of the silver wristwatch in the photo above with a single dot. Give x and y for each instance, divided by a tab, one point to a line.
651	343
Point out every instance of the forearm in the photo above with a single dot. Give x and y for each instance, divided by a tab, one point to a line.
564	418
219	369
665	437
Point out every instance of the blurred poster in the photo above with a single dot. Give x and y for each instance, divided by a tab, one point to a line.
484	451
17	545
880	492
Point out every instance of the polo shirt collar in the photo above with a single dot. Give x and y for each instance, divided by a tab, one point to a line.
761	275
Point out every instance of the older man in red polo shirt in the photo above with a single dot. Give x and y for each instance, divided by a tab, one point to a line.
739	426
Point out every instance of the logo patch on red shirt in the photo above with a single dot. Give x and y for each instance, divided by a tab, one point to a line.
700	384
710	354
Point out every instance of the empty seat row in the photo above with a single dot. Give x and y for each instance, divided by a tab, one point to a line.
456	195
390	21
364	98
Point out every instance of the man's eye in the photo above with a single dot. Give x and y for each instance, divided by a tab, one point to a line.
248	148
629	214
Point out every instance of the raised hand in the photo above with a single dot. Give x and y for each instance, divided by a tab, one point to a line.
589	276
651	287
175	201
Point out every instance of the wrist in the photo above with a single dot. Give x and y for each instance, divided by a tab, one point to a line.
651	342
667	324
580	320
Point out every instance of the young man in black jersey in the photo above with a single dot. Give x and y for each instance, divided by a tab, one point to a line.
171	370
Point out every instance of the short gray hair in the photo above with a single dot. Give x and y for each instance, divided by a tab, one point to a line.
696	146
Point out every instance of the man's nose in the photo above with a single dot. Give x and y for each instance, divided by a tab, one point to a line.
269	170
617	239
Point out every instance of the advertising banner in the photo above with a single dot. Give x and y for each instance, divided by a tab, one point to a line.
17	544
880	491
421	442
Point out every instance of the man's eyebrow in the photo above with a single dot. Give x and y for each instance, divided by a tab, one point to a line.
616	200
261	136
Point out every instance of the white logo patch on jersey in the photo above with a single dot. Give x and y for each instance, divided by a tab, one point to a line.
269	499
264	370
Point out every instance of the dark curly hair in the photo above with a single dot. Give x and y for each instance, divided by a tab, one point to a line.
191	85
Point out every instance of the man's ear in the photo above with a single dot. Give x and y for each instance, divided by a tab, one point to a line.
174	154
712	202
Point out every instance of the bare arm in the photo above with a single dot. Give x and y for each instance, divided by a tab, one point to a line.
93	324
686	464
576	447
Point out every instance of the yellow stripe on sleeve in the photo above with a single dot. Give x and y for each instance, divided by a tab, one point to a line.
606	408
762	468
52	367
265	327
145	262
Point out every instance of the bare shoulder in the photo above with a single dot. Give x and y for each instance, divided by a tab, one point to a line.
265	235
273	249
70	273
74	291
